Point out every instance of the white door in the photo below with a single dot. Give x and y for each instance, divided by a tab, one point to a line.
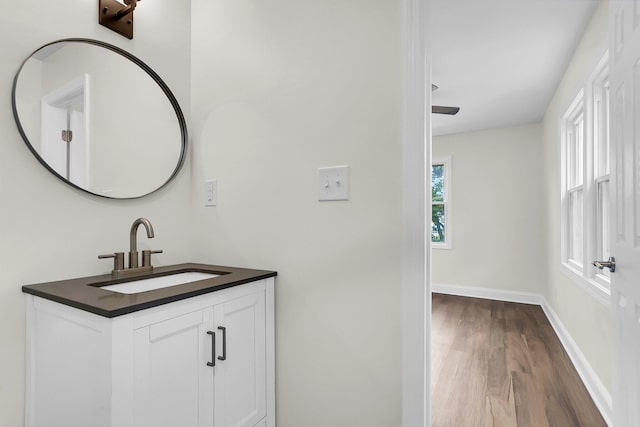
78	168
240	372
173	383
624	53
54	148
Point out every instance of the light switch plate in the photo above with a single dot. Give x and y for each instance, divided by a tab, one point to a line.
211	192
333	183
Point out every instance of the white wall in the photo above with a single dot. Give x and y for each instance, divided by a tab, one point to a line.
29	104
48	230
280	89
498	222
587	319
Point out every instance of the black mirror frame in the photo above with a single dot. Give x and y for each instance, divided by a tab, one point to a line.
163	86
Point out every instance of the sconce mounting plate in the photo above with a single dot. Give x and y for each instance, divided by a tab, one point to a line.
117	16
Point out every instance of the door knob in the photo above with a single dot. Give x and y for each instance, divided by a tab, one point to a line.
611	264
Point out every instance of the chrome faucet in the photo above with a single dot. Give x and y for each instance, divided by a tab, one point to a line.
118	264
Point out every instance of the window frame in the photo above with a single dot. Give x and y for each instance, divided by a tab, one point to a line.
573	179
594	118
600	87
445	161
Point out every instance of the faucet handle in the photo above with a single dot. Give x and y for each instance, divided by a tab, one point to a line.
146	257
118	260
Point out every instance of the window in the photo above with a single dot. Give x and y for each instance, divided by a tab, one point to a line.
585	183
601	110
441	235
574	147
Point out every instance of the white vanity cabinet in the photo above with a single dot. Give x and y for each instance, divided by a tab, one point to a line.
203	368
203	361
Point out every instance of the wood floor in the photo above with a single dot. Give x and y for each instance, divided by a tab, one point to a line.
501	364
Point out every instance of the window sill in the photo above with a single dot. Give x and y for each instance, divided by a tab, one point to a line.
593	288
441	246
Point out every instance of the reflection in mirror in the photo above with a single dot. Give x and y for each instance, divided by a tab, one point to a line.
99	119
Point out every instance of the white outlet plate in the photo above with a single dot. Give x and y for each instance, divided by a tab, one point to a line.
211	192
333	183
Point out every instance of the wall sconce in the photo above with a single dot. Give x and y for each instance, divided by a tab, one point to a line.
117	16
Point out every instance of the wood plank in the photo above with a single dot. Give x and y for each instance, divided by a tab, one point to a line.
500	364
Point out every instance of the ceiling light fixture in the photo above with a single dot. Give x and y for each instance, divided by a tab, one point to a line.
439	109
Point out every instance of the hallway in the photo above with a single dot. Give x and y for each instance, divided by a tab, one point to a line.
501	364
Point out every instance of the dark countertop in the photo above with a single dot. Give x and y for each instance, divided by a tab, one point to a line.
86	294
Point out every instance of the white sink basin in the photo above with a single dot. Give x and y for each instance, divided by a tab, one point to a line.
144	285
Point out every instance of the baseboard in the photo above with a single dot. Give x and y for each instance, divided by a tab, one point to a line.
488	293
599	393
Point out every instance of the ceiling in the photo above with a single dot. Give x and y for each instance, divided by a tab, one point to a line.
500	61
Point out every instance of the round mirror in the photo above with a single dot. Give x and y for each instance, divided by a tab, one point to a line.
99	119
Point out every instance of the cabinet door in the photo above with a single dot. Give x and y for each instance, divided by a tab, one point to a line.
240	379
173	384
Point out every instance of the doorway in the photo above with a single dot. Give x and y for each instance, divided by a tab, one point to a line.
65	122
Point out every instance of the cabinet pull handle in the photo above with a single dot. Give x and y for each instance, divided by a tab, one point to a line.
224	343
213	348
